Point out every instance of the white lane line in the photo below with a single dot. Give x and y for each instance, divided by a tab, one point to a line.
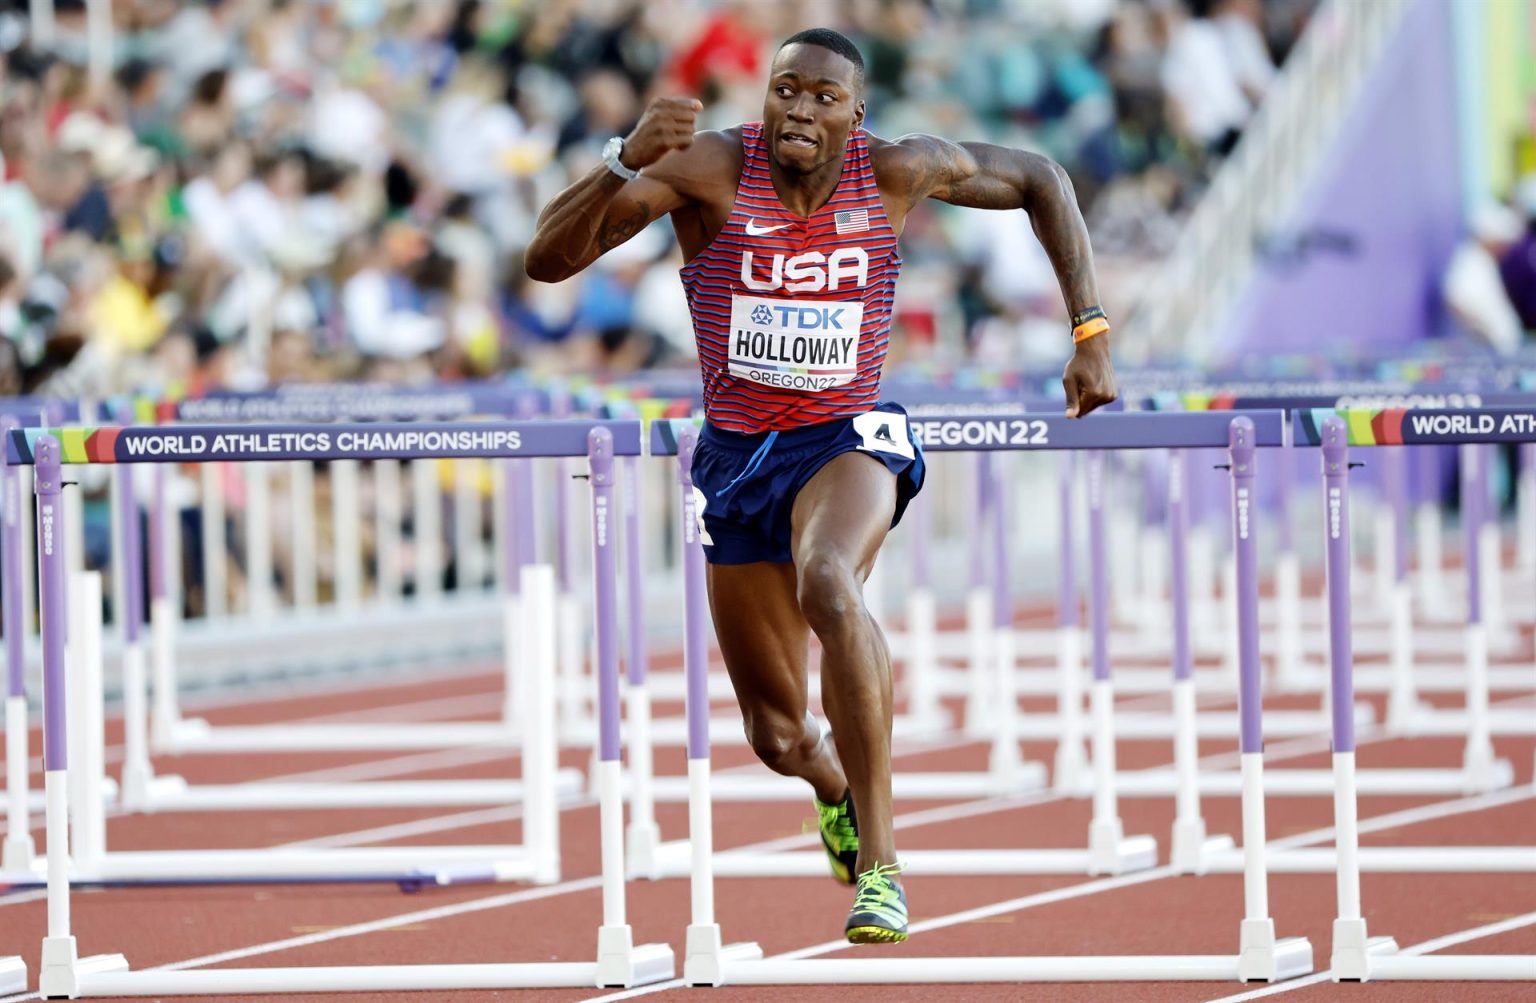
1426	947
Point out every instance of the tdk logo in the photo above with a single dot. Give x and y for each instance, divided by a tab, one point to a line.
800	318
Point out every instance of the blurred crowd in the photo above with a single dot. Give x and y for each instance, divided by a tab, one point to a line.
256	191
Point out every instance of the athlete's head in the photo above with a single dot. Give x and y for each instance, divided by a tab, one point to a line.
815	99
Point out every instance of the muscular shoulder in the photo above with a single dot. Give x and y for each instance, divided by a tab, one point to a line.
705	171
917	166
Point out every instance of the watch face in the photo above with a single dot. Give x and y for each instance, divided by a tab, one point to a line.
612	147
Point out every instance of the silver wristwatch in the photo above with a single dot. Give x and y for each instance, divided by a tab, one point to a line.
611	151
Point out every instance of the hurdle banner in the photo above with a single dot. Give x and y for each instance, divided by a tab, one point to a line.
618	961
1414	427
356	441
1009	431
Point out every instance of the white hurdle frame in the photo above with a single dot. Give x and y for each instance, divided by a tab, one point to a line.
618	962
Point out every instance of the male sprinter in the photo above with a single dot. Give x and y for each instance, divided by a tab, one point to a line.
789	229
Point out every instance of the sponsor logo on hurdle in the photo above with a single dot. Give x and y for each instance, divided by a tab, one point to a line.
1242	513
1335	507
1472	424
48	529
978	432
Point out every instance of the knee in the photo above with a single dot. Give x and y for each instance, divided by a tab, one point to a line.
829	593
774	739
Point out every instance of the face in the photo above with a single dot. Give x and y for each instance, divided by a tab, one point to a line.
813	103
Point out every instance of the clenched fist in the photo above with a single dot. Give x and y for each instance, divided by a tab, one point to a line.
668	124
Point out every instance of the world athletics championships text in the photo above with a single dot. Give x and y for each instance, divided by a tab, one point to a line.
322	443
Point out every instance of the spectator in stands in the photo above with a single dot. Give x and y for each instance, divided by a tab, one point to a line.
1517	265
370	170
1206	103
1473	288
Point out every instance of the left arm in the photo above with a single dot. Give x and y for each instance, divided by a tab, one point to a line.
983	176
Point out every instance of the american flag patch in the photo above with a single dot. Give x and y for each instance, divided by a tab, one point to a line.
851	220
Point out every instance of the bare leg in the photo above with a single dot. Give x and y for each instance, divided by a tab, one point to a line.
763	638
840	520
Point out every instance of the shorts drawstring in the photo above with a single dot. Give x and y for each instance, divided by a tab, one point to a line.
752	464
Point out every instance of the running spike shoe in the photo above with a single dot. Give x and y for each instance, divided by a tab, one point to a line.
879	913
840	836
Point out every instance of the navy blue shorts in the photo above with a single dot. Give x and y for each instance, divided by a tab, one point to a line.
746	484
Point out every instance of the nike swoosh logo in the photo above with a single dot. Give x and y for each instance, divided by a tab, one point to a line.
753	230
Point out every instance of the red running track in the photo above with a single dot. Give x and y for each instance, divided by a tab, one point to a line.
1149	913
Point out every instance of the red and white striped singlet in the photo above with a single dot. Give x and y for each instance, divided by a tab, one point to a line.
793	315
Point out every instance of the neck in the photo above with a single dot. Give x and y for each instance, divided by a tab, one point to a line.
803	194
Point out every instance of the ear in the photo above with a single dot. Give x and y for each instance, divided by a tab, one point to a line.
858	114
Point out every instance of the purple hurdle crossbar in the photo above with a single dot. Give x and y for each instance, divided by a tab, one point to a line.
132	553
634	594
1472	494
1002	591
1098	569
696	603
1178	563
605	574
1340	644
983	511
13	582
50	569
1068	613
1244	519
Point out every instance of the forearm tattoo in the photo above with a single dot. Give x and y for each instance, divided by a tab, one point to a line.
616	231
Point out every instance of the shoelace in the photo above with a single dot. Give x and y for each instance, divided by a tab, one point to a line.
875	887
835	822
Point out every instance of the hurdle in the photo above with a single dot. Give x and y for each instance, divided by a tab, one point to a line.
1356	956
618	961
1260	955
1347	858
1108	850
537	858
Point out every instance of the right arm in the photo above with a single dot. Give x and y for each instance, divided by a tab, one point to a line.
602	210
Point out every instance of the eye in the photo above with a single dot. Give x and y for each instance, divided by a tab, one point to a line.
826	98
782	90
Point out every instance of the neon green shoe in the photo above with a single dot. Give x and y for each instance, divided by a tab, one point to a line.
840	836
879	913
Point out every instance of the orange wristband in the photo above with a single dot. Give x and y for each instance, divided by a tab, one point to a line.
1090	329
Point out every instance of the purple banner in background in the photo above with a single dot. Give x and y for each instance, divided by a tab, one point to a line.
1362	256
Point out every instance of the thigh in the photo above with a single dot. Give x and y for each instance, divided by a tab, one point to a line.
844	512
762	636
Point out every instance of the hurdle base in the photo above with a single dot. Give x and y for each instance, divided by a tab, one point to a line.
641	845
622	965
1353	950
1484	771
1262	958
1069	774
706	958
1110	851
1192	849
13	975
63	969
20	852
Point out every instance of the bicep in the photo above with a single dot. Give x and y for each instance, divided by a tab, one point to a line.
1001	178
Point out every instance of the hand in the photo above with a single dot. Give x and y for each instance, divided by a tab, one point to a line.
667	125
1090	377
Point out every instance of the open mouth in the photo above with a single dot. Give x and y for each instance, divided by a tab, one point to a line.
795	139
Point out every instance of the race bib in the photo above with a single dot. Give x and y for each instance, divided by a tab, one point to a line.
795	345
883	432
